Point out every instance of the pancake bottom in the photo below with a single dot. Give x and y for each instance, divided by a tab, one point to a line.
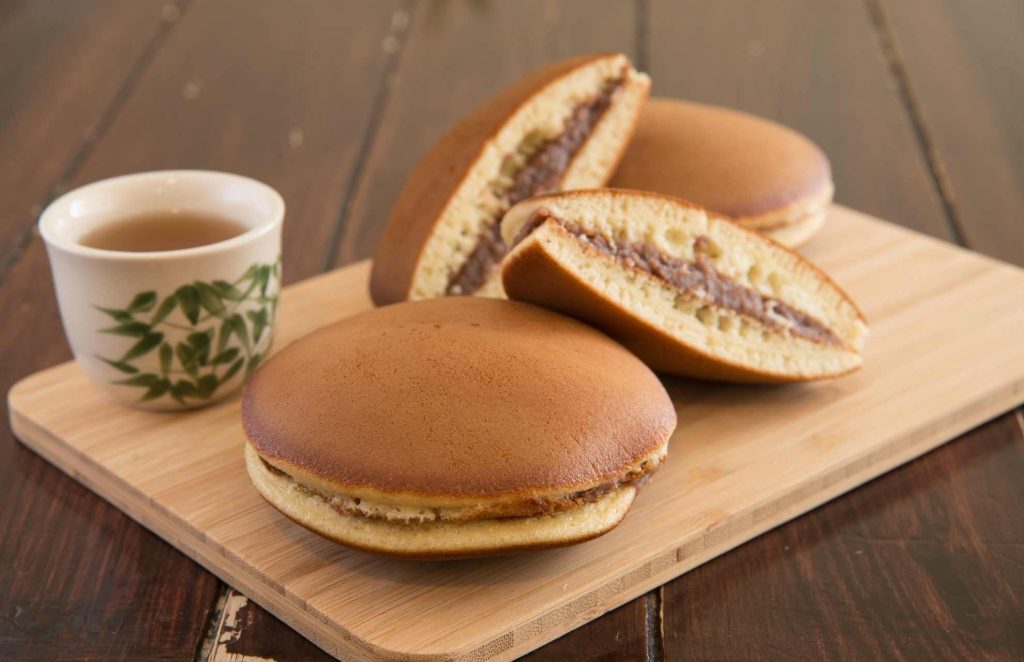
438	539
800	231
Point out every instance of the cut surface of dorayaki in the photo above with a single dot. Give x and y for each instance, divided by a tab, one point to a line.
562	127
689	292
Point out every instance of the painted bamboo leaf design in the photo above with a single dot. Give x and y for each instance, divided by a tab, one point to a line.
167	306
142	302
188	300
227	324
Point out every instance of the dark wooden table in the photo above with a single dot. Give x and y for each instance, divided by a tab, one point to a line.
917	102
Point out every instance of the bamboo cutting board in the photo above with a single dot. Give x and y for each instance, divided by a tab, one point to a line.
945	354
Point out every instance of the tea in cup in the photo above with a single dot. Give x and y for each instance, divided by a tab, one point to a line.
167	282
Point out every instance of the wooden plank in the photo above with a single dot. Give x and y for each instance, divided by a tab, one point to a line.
79	579
276	91
268	89
815	66
51	112
928	377
454	57
621	634
924	563
247	631
964	64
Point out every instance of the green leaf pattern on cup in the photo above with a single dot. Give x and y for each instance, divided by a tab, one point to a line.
227	324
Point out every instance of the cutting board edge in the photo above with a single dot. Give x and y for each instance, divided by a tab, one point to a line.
798	508
340	642
100	481
895	228
587	601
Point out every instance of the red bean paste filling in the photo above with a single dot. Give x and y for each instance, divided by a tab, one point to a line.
698	277
533	507
542	173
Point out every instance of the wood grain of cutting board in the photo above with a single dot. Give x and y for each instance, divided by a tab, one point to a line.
944	355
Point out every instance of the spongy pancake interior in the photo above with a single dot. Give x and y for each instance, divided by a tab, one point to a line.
477	202
742	256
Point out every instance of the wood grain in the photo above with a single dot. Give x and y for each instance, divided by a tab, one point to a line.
624	633
80	581
276	91
816	66
486	46
929	561
268	104
823	72
812	444
964	65
957	62
51	112
246	630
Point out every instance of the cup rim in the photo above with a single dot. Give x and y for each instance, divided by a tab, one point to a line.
53	212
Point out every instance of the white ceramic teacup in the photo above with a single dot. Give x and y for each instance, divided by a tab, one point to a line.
168	329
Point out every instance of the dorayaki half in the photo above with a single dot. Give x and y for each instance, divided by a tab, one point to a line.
562	127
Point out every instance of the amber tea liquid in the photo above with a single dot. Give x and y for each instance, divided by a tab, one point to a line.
161	232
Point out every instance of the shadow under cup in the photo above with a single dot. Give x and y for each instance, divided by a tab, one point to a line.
170	329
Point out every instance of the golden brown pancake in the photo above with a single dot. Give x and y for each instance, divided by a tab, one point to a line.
689	292
564	126
455	427
759	173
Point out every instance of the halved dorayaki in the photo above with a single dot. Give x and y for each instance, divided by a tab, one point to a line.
562	127
688	292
